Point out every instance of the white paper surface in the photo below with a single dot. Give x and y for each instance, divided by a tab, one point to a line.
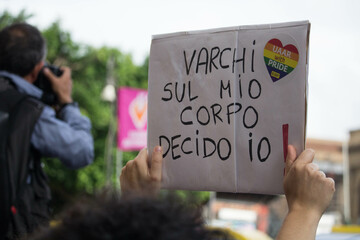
218	100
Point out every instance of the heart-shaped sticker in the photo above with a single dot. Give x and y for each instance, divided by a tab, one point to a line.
280	60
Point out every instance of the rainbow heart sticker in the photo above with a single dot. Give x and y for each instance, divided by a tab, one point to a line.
279	60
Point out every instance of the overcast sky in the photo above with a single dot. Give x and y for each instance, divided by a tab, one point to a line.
334	97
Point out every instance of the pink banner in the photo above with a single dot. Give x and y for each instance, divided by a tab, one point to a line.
132	118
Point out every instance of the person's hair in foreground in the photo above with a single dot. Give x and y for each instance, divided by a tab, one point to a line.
132	218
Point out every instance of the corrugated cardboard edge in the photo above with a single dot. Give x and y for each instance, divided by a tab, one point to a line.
306	81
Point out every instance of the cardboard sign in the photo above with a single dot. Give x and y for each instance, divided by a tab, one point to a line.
224	104
132	119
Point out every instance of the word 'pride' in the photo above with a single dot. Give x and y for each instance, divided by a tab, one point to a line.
279	60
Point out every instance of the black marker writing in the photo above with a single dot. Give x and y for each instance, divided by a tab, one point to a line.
179	146
169	89
207	60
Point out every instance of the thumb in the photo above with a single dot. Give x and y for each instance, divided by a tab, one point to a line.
290	158
307	156
156	164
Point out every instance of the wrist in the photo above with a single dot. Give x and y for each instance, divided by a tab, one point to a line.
60	107
64	101
299	224
309	215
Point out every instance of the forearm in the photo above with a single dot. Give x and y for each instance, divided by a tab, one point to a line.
299	225
68	139
308	193
72	116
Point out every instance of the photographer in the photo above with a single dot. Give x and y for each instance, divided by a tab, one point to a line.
60	131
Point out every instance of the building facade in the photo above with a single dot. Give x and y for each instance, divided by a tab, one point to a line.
354	176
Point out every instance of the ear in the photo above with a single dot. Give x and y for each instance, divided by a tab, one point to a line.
32	76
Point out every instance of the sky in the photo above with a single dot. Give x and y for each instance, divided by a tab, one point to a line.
334	82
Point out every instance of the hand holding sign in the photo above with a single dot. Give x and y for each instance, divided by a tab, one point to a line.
303	185
139	177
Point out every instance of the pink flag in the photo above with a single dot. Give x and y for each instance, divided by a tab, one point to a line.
132	118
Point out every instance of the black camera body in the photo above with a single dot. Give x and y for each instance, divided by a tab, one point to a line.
49	97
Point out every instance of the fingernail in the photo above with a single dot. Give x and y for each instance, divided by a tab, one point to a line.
158	149
311	151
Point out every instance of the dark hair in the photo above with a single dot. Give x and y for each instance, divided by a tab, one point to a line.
135	219
21	48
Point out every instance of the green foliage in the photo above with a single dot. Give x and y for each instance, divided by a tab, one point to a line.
7	19
89	72
61	50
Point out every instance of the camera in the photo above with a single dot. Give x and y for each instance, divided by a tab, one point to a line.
49	97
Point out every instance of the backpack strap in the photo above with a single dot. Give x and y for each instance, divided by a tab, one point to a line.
8	99
18	113
5	198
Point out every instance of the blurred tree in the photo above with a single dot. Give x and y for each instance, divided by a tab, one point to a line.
6	18
88	66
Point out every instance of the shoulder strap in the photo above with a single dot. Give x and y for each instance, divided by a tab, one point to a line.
8	99
4	176
15	109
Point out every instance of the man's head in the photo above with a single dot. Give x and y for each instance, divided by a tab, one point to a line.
22	49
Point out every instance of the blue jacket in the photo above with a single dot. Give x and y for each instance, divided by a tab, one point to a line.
67	137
